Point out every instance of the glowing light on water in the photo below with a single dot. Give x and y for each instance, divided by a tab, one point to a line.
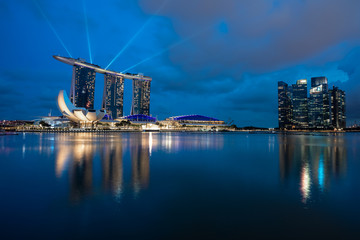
87	31
150	143
135	35
321	174
305	183
52	27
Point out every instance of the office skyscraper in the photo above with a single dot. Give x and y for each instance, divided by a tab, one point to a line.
141	97
300	104
284	100
323	109
317	81
319	104
113	97
83	87
337	107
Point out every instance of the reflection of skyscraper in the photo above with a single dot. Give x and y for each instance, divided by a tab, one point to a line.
112	167
284	101
81	172
300	104
141	97
319	105
76	157
286	151
113	96
83	87
140	161
337	106
312	161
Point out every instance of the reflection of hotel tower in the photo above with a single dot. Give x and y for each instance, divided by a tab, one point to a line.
79	155
76	155
112	167
314	160
140	161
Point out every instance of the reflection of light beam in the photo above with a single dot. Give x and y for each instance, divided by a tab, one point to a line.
165	50
135	35
51	26
87	31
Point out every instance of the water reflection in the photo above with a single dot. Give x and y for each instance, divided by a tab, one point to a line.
93	161
313	160
112	167
140	157
77	156
188	141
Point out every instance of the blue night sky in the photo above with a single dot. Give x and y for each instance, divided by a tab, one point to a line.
217	58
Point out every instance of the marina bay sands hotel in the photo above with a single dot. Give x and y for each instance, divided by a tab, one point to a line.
83	88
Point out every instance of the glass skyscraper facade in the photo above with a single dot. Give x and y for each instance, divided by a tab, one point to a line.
319	105
113	97
337	107
323	108
284	101
83	87
299	104
141	97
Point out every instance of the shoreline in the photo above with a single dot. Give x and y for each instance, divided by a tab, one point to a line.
291	132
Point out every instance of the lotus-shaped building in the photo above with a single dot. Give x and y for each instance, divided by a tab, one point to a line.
80	115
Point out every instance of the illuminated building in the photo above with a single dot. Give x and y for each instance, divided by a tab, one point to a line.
319	104
196	119
139	118
300	104
323	109
83	87
337	107
113	97
141	97
284	101
80	115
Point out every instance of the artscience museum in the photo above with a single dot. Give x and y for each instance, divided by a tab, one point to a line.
79	115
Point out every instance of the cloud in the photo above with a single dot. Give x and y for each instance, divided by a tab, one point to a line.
226	61
25	94
261	35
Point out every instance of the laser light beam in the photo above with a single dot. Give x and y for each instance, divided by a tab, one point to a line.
87	31
51	27
135	35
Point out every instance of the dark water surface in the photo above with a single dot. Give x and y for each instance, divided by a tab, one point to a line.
179	186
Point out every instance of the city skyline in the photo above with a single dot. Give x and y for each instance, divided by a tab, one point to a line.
322	108
223	62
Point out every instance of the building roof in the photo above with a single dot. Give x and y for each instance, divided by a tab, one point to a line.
140	118
96	68
193	118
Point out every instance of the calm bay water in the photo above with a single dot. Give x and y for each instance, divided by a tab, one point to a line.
179	186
